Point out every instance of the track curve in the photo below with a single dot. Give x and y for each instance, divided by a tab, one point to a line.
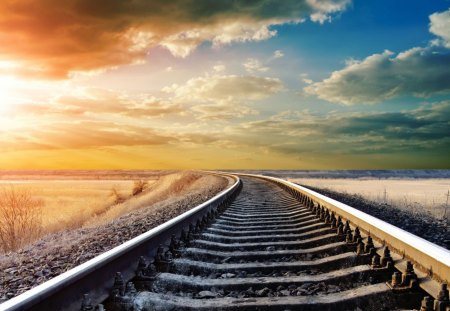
270	246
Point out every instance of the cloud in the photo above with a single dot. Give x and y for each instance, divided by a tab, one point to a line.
440	26
253	65
223	97
219	67
82	134
53	39
278	54
420	72
425	128
222	111
95	101
226	88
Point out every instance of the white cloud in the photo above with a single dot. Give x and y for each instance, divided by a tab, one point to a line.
223	96
219	68
253	65
324	9
440	26
420	72
226	88
278	54
222	111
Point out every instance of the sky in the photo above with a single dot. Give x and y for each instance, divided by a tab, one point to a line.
220	84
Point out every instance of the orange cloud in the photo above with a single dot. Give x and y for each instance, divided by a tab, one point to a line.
52	39
83	134
100	102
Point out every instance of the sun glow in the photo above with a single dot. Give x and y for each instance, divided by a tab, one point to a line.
7	92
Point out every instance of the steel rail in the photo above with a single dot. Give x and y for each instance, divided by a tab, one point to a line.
432	259
96	275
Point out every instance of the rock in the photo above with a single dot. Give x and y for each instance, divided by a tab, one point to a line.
228	275
206	294
332	289
284	292
262	292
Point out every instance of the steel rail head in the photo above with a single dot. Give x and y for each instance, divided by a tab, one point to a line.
96	276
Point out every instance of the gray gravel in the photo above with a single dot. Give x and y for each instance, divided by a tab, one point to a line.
420	224
60	252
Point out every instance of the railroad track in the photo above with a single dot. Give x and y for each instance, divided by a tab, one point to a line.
263	244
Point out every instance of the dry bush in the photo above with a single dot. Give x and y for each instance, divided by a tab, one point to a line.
139	186
168	186
116	195
20	218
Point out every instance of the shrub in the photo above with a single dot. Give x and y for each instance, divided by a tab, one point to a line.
139	186
115	194
20	218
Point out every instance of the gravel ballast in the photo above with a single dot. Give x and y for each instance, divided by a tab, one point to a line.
60	252
423	225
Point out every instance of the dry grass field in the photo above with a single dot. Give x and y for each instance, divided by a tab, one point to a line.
415	195
48	206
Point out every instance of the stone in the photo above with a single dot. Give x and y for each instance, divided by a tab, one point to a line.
206	294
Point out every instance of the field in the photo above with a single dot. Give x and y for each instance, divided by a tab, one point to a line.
50	206
415	195
67	204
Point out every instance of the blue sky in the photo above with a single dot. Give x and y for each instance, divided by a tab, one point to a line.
306	84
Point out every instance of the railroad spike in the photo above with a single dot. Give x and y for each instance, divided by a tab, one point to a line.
333	220
86	303
408	276
442	302
360	248
427	304
333	223
396	279
349	237
375	262
119	284
174	246
204	222
356	235
142	264
328	217
386	257
198	226
347	227
183	236
369	244
340	229
130	289
161	263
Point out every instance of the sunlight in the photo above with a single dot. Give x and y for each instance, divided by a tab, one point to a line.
9	84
